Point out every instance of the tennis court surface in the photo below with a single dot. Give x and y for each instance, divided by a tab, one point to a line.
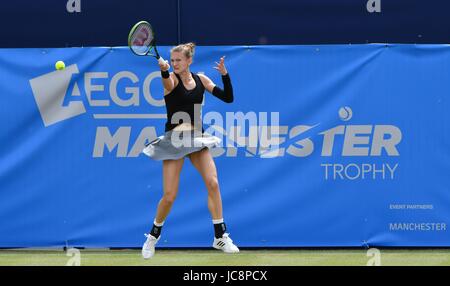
170	257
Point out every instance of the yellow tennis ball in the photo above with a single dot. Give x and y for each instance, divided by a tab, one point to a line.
60	65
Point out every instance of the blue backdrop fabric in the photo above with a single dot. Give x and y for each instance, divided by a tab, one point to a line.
324	145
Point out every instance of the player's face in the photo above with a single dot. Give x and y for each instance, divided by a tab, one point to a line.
180	62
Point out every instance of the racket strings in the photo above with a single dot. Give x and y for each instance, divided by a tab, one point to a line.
141	39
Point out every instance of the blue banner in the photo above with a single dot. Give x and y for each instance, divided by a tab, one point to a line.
324	145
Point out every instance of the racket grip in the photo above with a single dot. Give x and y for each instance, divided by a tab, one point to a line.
161	60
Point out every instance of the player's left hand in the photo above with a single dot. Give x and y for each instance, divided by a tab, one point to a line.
220	66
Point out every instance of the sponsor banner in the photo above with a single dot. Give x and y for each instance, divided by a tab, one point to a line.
336	145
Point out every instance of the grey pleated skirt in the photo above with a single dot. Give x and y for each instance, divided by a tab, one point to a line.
174	145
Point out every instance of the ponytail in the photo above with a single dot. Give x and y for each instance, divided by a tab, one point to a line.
187	49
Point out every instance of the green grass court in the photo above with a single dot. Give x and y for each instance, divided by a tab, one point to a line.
302	257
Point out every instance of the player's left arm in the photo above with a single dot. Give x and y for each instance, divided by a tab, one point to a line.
225	94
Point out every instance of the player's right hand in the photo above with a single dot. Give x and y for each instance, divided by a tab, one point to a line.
164	66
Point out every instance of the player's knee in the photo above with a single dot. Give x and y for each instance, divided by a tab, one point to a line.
212	184
169	198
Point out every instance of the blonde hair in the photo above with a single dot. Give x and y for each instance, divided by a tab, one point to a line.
187	49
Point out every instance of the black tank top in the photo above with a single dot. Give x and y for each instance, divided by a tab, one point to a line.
188	101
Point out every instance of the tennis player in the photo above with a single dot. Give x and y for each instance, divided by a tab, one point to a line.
185	137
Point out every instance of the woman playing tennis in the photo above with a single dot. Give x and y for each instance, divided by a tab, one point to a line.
185	137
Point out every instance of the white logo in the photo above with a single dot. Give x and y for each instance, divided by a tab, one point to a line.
73	6
345	113
65	94
375	255
75	257
49	92
373	6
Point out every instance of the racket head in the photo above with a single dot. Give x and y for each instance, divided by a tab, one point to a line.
141	39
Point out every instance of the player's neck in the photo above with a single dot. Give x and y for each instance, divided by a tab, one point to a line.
185	75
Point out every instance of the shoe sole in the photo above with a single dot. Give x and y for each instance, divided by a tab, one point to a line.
147	257
218	248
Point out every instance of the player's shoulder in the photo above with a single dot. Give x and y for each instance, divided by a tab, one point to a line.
203	77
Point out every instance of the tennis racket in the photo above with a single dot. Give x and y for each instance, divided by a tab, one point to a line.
142	42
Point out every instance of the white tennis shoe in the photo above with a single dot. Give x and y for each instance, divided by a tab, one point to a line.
148	249
225	244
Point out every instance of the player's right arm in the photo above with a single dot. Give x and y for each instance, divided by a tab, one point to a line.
168	81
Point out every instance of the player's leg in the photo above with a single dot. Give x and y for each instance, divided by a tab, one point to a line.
171	179
204	163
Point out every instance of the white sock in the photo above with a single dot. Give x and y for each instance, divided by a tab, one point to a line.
216	221
158	224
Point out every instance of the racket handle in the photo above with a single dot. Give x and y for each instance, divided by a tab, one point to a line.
161	60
